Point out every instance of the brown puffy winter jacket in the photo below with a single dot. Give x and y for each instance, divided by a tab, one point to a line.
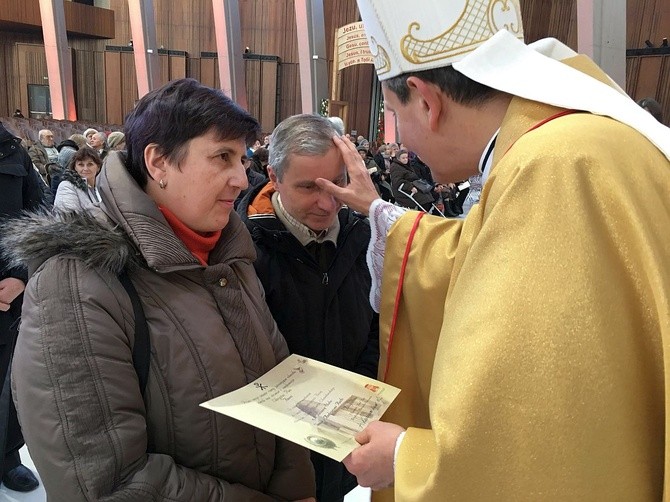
88	429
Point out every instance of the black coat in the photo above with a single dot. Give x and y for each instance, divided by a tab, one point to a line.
402	178
20	189
324	314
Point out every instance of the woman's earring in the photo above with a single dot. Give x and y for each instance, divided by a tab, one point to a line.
162	184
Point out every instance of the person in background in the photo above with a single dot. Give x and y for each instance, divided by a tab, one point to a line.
20	189
311	261
370	163
254	178
44	152
531	348
253	148
259	162
79	139
88	134
383	160
338	124
77	189
393	150
116	141
405	191
172	232
66	151
98	142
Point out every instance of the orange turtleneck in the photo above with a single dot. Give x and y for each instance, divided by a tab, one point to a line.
198	244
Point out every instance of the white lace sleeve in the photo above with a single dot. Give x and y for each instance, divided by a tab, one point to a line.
382	217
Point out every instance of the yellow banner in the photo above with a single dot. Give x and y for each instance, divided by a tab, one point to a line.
351	46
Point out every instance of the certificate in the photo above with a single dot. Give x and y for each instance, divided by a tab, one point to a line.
314	404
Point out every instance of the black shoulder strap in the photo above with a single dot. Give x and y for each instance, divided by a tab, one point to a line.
142	345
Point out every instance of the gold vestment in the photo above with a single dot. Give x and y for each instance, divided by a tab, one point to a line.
530	336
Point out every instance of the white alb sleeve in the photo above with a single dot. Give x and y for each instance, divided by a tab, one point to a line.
382	217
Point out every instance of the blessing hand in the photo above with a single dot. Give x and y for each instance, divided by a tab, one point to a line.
360	193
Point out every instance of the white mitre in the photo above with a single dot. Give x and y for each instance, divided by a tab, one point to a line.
480	38
420	35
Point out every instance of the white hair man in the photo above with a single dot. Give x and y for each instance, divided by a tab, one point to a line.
43	151
530	338
98	142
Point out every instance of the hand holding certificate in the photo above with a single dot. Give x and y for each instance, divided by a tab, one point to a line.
314	404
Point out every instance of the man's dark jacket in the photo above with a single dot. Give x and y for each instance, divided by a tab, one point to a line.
324	314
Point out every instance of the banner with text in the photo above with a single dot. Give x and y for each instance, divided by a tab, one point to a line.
351	46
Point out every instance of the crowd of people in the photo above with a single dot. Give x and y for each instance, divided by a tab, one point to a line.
506	266
45	175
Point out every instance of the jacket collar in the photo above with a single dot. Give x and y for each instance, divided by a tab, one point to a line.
138	215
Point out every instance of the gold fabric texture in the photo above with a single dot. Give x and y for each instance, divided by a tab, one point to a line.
530	336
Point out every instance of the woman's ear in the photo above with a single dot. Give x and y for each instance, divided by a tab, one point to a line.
430	99
155	162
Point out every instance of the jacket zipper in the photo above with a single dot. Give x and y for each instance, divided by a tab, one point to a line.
324	279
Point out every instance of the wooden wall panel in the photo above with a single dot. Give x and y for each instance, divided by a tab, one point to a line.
261	77
12	89
121	22
177	67
209	72
182	26
89	83
550	18
253	78
80	19
268	27
648	76
9	96
120	85
114	108
32	66
650	68
289	99
163	69
193	68
647	20
128	82
268	110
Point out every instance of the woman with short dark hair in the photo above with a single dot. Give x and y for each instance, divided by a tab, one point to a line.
172	230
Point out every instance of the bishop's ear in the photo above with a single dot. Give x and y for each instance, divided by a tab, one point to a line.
429	98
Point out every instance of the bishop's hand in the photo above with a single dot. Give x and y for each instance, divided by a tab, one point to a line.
372	462
360	193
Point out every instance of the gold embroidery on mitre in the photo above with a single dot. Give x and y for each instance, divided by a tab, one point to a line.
505	14
478	22
382	60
